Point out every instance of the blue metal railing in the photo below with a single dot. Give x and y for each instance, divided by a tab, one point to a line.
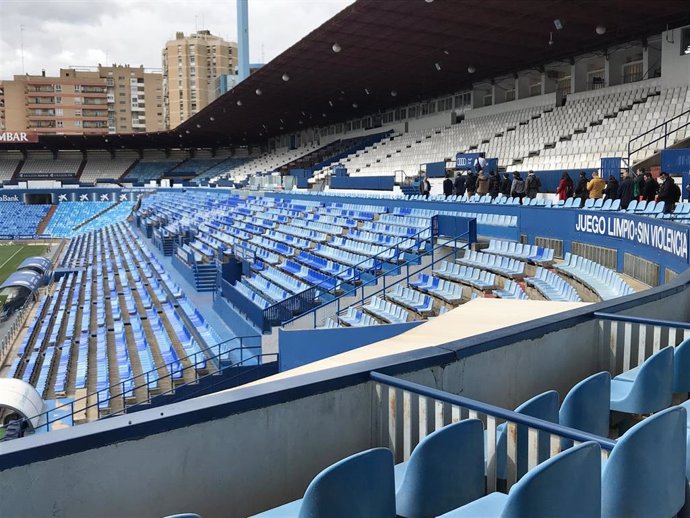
640	320
663	125
283	312
150	380
495	411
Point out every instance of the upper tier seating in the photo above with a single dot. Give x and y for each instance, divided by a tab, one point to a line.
105	169
149	169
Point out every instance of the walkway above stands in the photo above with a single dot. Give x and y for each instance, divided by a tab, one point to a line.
473	318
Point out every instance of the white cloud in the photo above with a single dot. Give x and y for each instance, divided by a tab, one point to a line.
62	33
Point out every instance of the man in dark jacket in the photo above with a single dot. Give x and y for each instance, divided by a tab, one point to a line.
505	185
494	184
639	182
447	186
611	191
581	187
471	183
669	193
625	191
650	188
459	184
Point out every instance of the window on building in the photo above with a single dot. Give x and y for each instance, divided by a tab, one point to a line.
77	124
685	41
57	88
77	113
59	124
58	112
58	100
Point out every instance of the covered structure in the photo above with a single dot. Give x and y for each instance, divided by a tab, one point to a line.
39	264
20	400
379	54
17	289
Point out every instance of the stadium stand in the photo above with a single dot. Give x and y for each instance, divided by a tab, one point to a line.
101	166
18	219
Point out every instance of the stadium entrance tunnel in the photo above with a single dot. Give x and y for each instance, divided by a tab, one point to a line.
17	289
38	199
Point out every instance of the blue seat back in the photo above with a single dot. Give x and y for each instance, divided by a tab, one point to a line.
543	406
360	486
445	471
586	407
645	473
653	387
681	367
567	485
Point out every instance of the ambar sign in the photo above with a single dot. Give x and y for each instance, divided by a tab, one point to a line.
18	137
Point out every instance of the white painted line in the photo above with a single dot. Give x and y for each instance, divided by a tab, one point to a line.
10	257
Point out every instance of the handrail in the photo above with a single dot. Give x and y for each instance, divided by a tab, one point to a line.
296	296
640	320
495	411
665	137
169	368
385	287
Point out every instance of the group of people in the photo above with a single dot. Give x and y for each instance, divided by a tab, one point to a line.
491	184
638	186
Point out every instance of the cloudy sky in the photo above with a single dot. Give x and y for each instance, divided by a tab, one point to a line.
62	33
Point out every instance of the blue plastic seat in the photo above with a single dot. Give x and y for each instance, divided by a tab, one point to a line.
644	475
444	472
586	407
565	486
647	389
360	486
543	406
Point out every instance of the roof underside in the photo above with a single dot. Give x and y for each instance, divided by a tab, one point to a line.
394	45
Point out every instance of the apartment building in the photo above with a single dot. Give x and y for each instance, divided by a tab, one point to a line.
88	101
191	65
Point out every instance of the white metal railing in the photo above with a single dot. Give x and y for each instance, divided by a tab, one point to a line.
405	413
627	341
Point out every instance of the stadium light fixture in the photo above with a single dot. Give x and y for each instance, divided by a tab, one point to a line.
429	1
437	66
471	69
198	125
355	105
558	24
600	30
286	78
258	91
366	91
239	103
394	93
211	119
336	47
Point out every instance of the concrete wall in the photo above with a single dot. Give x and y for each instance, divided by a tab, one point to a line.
675	68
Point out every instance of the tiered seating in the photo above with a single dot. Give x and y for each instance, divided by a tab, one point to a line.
70	214
412	299
531	253
606	283
552	286
18	219
147	170
441	288
47	168
354	317
105	169
508	267
476	277
7	168
511	290
99	305
386	311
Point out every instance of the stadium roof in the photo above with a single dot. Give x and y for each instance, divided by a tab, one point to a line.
25	279
395	45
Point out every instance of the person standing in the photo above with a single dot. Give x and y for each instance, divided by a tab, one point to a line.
532	185
505	185
581	187
595	187
611	191
638	184
447	186
517	188
565	187
669	193
626	190
650	188
494	184
471	183
482	184
424	187
459	184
